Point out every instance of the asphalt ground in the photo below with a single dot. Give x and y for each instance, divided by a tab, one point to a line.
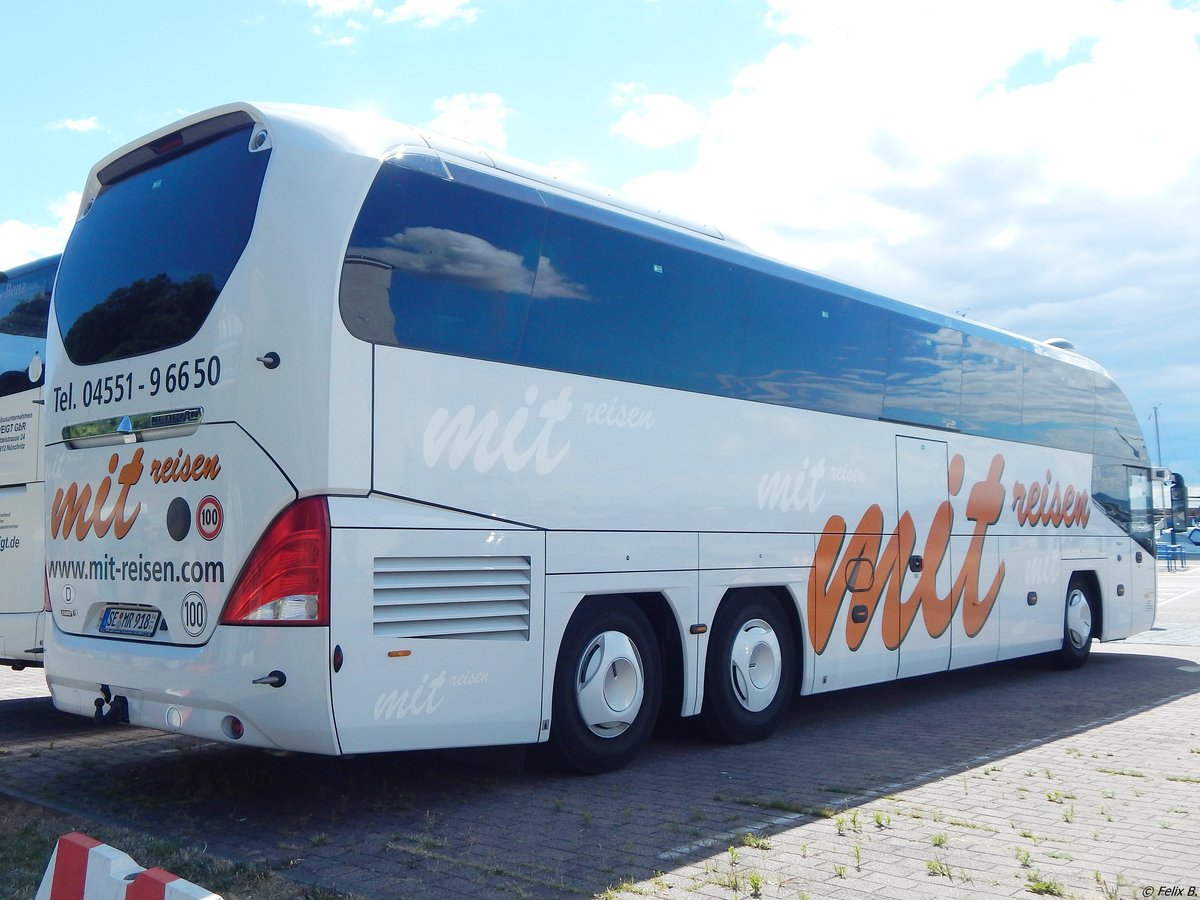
1001	781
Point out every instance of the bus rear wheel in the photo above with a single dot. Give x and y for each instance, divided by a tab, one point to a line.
1078	626
750	672
607	687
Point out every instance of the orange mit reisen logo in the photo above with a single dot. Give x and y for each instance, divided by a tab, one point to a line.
70	510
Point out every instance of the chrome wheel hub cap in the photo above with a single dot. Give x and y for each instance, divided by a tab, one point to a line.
610	684
755	665
1079	620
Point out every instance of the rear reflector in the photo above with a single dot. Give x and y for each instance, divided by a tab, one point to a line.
286	579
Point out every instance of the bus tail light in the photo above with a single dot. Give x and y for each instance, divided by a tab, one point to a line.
286	579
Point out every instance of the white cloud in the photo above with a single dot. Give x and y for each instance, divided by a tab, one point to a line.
430	13
853	139
339	7
330	39
478	118
1035	164
422	13
654	120
21	242
91	123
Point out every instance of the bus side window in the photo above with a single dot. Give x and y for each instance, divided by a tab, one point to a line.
613	304
812	349
992	387
924	376
457	264
1059	408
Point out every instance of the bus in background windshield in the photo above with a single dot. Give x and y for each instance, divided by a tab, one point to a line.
363	439
24	305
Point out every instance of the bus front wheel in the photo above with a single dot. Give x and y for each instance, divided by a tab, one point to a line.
1078	627
607	687
750	672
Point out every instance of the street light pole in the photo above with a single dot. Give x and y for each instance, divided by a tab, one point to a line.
1157	439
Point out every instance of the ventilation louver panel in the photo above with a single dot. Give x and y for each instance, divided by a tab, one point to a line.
471	597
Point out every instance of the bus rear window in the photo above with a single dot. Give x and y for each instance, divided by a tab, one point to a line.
144	267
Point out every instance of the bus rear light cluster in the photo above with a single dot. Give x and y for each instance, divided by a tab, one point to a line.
286	579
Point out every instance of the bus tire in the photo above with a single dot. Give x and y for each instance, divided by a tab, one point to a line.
607	687
1078	626
750	671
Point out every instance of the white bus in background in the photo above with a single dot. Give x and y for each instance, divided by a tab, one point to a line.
24	305
361	439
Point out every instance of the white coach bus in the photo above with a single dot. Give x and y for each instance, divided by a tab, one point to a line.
365	440
24	305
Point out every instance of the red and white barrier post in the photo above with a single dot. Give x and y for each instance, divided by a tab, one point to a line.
82	868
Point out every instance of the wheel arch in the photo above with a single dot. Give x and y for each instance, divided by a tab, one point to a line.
667	631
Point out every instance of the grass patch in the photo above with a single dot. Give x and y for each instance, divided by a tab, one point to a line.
786	806
963	823
28	835
1045	887
938	868
756	841
627	886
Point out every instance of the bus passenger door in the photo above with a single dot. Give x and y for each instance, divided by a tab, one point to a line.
1129	601
1117	595
921	488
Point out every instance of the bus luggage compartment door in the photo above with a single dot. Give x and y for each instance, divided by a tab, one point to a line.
439	637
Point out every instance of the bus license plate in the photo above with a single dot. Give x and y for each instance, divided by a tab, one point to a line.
140	622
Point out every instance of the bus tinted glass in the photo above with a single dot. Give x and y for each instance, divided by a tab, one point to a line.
1059	404
1141	507
616	305
145	265
1118	433
924	373
802	346
438	265
24	308
992	388
458	261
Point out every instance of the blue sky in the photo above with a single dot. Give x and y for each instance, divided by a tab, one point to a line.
1035	166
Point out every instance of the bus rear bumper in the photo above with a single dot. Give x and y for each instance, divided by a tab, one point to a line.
143	684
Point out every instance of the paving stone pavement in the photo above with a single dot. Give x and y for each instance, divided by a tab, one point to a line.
1002	781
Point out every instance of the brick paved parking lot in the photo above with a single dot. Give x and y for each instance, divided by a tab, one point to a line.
1004	781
